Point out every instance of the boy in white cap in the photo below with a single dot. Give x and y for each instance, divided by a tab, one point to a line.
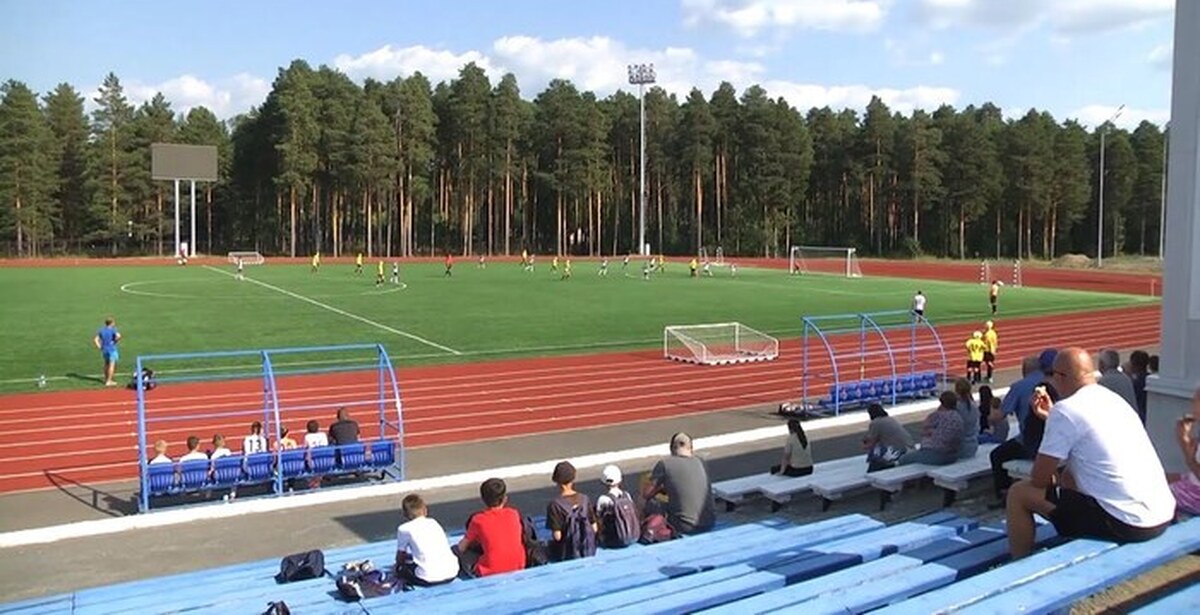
619	520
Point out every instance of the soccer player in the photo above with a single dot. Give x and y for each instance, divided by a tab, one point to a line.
662	264
693	266
358	262
395	272
918	305
379	274
525	259
566	274
625	263
482	261
106	342
554	264
975	349
646	271
991	341
316	262
532	258
449	265
994	294
239	275
603	272
708	269
181	258
733	270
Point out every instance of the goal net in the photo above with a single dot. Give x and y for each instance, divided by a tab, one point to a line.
247	258
824	259
1005	272
717	260
718	344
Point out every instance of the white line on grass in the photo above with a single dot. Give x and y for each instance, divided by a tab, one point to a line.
326	306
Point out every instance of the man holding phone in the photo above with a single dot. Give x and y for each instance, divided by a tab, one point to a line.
1112	486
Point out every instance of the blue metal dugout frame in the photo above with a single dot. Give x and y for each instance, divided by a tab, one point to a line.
867	326
390	424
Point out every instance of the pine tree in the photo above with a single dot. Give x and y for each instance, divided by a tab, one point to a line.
113	161
69	127
27	179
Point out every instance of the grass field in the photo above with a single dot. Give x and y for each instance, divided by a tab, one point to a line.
52	313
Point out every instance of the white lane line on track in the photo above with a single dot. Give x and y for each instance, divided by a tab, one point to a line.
341	312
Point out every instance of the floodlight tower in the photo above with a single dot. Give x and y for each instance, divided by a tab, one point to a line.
642	74
1100	216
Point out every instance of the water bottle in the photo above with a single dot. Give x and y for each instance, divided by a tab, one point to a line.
41	381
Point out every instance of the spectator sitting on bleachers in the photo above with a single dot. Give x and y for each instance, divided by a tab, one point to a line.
219	448
314	437
1138	368
970	418
286	442
194	453
997	431
344	430
797	457
255	442
1108	363
886	440
607	535
423	555
1017	402
570	518
1112	487
941	435
493	543
684	478
160	452
985	407
1186	487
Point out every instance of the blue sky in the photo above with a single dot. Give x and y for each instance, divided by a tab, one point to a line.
1076	58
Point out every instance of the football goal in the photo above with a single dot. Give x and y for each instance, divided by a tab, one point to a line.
247	258
717	260
824	259
718	344
1005	272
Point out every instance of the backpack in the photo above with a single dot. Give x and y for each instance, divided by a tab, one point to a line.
619	524
277	608
578	538
301	566
656	529
536	553
354	584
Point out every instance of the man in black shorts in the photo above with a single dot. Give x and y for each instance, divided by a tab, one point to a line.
1112	486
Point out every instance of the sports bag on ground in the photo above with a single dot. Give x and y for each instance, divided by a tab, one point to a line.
301	566
656	529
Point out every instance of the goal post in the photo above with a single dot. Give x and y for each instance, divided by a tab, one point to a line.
834	260
247	258
718	344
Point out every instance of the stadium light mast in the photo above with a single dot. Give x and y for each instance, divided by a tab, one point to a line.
640	75
1100	220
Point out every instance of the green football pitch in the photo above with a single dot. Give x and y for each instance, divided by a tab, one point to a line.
51	313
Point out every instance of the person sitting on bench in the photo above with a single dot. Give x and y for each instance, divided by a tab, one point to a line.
797	456
941	435
886	440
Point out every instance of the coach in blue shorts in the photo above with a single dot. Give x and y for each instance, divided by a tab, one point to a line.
106	340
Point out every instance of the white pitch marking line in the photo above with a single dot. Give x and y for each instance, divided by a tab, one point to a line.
342	312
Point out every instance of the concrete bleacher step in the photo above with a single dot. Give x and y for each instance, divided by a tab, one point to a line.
575	588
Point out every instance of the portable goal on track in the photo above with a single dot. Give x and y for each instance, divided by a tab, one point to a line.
718	344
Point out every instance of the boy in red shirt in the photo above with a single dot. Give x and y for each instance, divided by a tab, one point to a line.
493	542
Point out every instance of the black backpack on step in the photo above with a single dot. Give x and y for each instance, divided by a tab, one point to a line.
301	566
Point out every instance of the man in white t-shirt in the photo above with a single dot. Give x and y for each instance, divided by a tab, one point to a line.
918	304
423	555
1112	486
194	453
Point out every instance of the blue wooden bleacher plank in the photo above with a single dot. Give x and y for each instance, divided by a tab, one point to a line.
1186	600
867	596
605	561
45	605
888	540
1051	593
596	589
958	544
979	587
989	555
848	577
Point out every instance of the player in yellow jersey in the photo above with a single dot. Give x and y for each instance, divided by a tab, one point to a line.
991	341
694	265
525	259
358	263
554	264
379	274
316	261
994	294
975	350
566	274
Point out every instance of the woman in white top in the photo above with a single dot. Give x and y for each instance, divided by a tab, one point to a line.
1186	487
797	458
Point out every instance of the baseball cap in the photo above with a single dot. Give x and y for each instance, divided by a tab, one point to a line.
1046	360
564	473
611	475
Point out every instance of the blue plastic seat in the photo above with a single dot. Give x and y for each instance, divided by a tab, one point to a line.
292	463
322	459
227	471
193	475
258	467
352	457
383	454
161	477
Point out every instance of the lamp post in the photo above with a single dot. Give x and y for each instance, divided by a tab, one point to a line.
640	75
1162	208
1100	220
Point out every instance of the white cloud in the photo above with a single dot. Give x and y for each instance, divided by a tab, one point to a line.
225	97
1161	56
389	62
805	95
1095	115
749	17
936	58
1063	16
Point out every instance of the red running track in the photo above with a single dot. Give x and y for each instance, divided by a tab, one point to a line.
470	402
